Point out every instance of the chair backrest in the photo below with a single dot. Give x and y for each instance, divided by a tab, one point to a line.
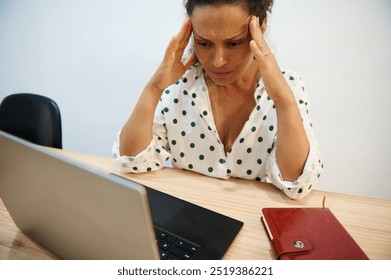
32	117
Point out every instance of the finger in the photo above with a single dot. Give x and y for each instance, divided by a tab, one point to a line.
171	47
255	31
185	29
190	60
178	43
259	55
185	33
257	35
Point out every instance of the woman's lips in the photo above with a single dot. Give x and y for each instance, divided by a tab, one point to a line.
221	74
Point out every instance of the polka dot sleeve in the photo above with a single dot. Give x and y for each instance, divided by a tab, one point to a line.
152	158
313	167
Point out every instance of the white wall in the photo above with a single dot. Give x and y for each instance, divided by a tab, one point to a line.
94	56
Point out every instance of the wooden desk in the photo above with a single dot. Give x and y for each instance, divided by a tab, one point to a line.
368	220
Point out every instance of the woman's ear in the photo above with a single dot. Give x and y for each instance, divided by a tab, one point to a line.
264	25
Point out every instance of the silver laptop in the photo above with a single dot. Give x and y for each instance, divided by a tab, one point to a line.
78	212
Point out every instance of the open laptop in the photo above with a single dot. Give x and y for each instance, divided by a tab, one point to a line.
79	212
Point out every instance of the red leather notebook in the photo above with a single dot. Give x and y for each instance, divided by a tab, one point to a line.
309	234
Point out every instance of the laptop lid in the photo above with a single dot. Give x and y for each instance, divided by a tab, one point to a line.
75	211
78	212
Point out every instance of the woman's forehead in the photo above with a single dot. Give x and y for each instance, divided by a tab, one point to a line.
223	21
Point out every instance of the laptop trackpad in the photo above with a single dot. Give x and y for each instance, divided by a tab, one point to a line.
214	232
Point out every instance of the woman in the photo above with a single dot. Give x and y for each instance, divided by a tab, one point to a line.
227	110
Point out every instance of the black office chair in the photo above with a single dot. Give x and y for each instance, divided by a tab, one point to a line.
32	117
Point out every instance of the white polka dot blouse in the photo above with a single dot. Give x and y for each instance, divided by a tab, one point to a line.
185	134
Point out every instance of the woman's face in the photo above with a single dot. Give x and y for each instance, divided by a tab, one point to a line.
221	41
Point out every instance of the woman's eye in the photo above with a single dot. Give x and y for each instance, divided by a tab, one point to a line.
204	44
234	44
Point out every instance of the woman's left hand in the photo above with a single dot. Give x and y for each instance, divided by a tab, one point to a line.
275	83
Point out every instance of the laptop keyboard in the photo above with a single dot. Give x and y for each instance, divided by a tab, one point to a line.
174	247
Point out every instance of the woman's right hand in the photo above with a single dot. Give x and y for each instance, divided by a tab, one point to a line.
137	131
172	67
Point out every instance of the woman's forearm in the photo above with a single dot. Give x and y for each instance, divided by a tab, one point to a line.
136	134
292	146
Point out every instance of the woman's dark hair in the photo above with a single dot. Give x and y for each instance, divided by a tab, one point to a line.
259	8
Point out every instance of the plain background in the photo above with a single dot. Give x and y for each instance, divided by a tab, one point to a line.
93	58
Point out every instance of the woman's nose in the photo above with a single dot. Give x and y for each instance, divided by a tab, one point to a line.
219	57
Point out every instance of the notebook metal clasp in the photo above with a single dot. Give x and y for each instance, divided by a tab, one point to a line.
298	244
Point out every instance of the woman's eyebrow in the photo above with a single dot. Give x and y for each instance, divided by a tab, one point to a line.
235	37
199	37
